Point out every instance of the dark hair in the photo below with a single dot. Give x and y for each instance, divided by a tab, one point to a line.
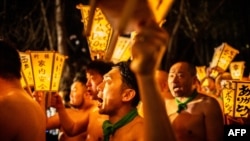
10	62
80	77
128	77
191	67
100	66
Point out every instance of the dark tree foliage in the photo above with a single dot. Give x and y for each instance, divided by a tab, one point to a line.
196	28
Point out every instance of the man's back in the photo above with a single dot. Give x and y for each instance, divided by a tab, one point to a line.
21	118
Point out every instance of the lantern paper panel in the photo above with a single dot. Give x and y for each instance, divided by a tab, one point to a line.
27	70
223	55
201	72
42	63
100	34
23	82
237	69
236	98
57	71
214	73
122	50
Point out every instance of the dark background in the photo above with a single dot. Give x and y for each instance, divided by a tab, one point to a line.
196	27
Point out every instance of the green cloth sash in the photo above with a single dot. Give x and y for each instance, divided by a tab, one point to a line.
183	105
109	128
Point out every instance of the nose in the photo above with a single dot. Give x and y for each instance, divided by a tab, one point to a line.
172	79
100	89
88	84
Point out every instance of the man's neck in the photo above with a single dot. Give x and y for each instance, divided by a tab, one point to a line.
7	85
120	114
186	96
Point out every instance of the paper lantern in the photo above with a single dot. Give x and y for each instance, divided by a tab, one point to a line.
236	98
201	72
27	72
100	36
45	67
223	56
237	69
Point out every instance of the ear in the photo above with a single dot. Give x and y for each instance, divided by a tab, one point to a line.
128	95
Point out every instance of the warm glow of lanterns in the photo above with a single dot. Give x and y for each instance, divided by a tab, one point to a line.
45	69
237	69
100	34
122	51
105	23
201	72
27	72
235	95
223	56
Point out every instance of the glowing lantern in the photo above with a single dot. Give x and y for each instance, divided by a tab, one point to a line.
201	72
223	56
237	69
236	95
27	72
100	34
45	67
122	51
122	18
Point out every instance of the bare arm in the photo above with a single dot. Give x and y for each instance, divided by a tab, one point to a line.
53	122
214	121
147	52
70	126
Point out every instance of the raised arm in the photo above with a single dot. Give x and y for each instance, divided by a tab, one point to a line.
70	126
147	51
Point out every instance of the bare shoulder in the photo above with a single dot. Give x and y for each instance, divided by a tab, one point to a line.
135	127
207	99
209	103
17	109
132	131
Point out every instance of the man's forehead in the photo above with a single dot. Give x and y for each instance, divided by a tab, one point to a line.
114	72
180	67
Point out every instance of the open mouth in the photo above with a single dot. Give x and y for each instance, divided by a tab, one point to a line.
177	88
99	102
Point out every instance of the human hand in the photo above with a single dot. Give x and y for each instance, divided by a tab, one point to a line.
38	96
56	101
148	48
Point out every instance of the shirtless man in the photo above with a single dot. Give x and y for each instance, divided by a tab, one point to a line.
21	118
81	103
156	125
194	116
118	98
90	122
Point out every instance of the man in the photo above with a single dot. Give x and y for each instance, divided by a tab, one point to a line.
90	122
144	64
21	119
194	116
81	103
118	98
